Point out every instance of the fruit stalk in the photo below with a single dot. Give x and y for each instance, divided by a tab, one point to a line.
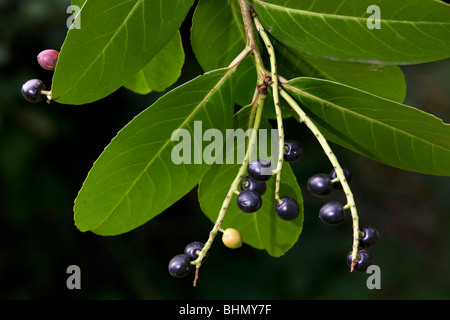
258	104
273	82
339	171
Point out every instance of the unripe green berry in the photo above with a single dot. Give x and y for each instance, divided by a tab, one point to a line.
232	238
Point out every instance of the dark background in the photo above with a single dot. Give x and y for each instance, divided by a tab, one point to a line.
46	151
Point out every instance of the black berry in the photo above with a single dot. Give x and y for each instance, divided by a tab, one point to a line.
31	90
260	170
337	185
47	59
249	201
180	265
369	237
251	184
293	150
363	260
288	209
193	249
332	213
320	185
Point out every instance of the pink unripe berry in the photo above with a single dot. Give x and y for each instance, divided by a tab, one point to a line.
47	59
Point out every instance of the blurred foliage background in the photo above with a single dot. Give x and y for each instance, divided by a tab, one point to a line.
46	150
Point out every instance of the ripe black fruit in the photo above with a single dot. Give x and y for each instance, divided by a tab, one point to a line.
332	213
363	260
337	185
193	248
180	265
369	237
293	150
251	184
47	59
260	170
288	209
319	185
31	90
249	201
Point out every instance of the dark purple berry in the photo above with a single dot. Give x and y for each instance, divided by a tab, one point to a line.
180	265
293	150
363	260
47	59
193	249
31	90
369	237
288	209
337	185
320	185
332	213
251	184
260	170
249	201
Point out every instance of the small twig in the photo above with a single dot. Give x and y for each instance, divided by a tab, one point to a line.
339	172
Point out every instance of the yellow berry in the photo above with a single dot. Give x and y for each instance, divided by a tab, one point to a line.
232	238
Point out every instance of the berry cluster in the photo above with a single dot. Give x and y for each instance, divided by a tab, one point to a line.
181	264
254	185
248	200
333	213
34	90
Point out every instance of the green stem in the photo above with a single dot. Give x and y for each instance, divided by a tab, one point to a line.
259	104
276	102
339	172
251	41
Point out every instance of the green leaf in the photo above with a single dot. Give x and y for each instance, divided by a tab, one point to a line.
217	37
262	229
116	39
386	81
413	31
384	130
136	178
162	71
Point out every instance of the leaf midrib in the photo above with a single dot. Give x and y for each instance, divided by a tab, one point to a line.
343	17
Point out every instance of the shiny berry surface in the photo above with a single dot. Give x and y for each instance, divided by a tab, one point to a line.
293	150
249	201
320	185
193	248
288	209
260	170
369	237
47	59
180	265
332	213
31	90
362	262
253	185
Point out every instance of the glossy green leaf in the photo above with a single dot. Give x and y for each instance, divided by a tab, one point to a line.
386	81
137	177
217	37
116	39
384	130
262	229
410	32
162	71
